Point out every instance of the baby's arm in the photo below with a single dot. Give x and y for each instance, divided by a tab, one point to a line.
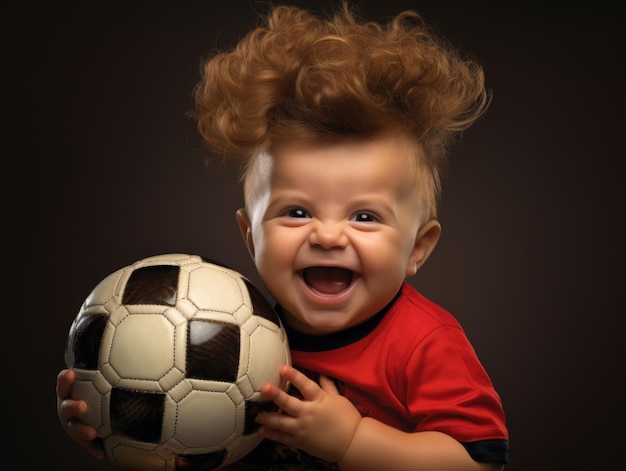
325	424
377	446
68	411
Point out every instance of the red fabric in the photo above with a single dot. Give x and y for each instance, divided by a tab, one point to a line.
415	371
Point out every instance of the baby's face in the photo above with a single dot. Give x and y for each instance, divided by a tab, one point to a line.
335	229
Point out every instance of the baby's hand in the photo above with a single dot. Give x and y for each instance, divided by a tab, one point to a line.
321	424
68	411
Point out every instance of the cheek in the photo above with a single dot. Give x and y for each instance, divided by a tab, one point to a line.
386	253
382	265
273	247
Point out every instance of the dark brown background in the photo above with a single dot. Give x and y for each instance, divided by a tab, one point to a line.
103	168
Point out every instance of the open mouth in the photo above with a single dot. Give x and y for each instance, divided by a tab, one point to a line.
327	280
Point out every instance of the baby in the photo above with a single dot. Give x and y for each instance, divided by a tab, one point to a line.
342	127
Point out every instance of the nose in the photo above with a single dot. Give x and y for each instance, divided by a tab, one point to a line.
328	235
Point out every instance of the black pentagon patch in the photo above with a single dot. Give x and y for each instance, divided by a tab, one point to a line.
260	305
200	462
86	340
152	285
252	410
212	350
214	262
137	415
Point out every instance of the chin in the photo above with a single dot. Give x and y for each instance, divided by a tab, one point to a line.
323	328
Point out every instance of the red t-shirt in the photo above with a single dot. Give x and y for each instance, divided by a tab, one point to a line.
411	367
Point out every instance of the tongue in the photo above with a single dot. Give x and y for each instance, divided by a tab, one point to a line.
328	280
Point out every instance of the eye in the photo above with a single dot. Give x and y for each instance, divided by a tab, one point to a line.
364	217
297	213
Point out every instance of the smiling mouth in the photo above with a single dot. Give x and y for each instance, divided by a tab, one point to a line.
327	280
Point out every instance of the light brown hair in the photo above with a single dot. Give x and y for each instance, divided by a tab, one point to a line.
301	77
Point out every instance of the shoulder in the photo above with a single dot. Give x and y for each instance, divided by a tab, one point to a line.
416	309
419	327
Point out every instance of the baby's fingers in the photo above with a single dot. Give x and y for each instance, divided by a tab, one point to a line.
307	387
284	401
69	409
328	385
64	384
85	436
80	431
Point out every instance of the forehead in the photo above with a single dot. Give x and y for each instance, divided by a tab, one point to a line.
347	156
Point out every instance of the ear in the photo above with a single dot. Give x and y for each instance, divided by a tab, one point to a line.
425	243
244	226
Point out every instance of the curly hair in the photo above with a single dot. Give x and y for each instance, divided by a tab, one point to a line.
302	77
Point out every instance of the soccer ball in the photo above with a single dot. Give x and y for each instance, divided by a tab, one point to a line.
170	354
